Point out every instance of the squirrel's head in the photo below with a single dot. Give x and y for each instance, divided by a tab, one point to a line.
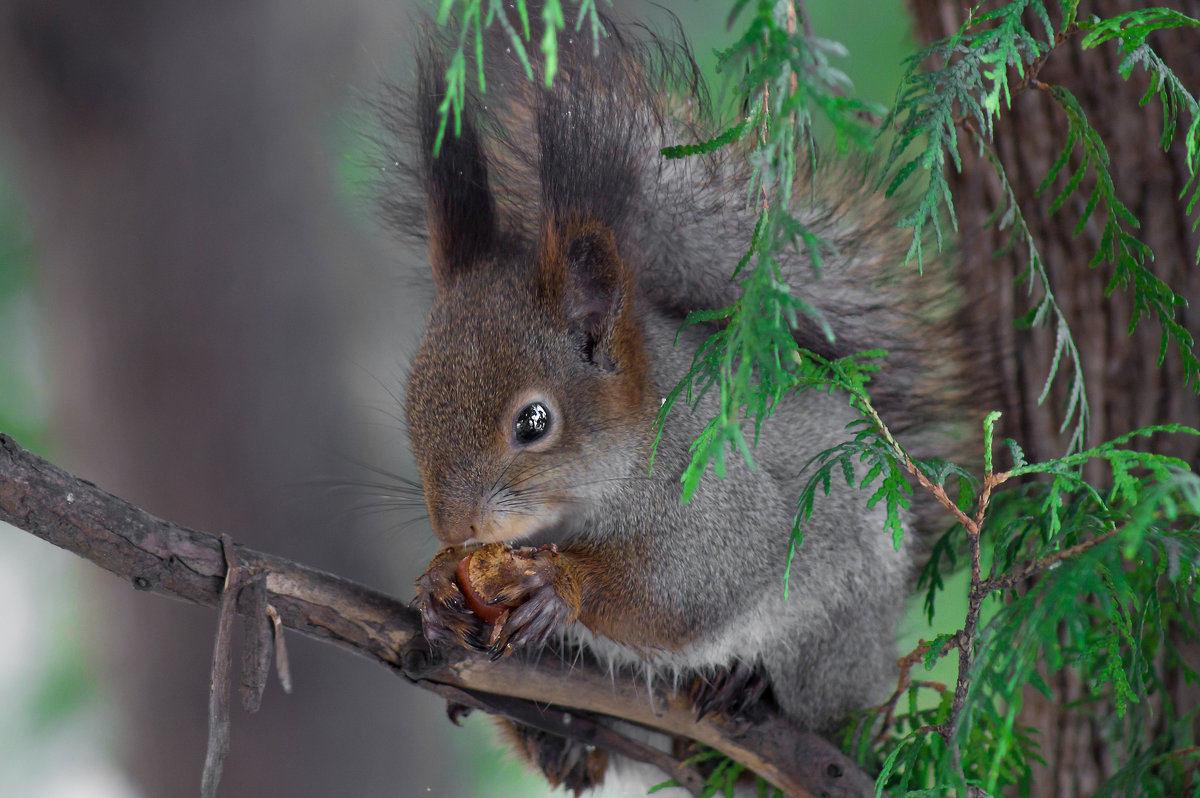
530	395
529	398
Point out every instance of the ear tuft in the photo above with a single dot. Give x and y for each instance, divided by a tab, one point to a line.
460	212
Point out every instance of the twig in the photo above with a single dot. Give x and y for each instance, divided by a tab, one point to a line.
1031	74
1005	581
803	12
1029	80
797	8
964	639
283	668
905	680
222	669
938	492
257	643
980	588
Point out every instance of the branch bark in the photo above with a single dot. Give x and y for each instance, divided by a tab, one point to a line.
548	692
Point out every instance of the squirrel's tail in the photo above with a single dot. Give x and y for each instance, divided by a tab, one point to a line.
588	149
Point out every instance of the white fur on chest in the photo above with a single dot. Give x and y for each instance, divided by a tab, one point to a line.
751	632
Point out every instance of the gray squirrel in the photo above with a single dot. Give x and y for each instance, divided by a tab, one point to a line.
565	253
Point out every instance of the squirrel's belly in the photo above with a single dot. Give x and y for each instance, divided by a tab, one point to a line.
718	648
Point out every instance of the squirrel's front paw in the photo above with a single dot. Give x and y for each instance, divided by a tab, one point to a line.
523	594
493	598
445	616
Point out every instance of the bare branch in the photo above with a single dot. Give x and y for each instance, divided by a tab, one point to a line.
166	558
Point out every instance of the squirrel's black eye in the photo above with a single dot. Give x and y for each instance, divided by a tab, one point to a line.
532	422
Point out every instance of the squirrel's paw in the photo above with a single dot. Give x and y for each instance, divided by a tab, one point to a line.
732	692
535	589
445	615
493	598
568	763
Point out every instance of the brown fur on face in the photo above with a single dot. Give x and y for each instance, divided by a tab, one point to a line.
572	314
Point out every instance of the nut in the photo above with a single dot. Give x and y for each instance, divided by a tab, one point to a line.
471	582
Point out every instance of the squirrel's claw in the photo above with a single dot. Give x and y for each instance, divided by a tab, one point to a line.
571	764
444	614
540	594
732	691
533	621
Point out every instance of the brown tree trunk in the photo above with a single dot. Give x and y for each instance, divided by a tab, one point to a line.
189	235
1126	388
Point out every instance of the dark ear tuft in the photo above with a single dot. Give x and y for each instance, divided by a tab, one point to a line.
460	212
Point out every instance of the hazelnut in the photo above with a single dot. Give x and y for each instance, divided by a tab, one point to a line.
473	585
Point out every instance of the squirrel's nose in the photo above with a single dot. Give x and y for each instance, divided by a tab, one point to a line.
454	529
455	535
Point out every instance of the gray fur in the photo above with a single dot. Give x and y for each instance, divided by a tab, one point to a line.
829	646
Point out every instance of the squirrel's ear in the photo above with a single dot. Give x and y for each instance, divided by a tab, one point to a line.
584	268
460	212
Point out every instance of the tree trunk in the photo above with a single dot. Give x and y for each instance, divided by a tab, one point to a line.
1126	388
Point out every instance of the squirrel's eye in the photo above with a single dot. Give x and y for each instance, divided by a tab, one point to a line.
532	422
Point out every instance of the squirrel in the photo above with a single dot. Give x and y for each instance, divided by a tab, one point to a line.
565	253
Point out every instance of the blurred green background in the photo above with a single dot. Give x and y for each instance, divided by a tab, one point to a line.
60	726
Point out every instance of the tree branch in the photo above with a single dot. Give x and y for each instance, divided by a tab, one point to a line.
1009	580
548	692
